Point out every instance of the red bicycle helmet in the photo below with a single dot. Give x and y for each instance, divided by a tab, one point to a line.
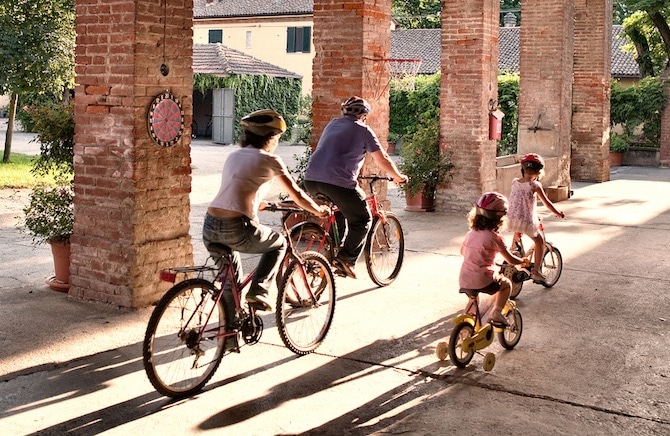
532	161
355	106
264	122
492	205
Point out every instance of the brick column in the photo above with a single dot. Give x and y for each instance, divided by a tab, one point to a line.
591	91
469	82
545	95
351	37
131	195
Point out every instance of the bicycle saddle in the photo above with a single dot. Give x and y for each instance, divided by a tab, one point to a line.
322	198
470	292
218	249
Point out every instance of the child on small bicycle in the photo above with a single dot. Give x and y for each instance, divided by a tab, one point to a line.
522	215
480	247
232	217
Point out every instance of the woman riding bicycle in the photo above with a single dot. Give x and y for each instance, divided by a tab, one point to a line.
232	217
333	170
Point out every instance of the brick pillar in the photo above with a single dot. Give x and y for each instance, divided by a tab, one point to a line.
545	95
131	195
469	82
347	34
591	91
351	38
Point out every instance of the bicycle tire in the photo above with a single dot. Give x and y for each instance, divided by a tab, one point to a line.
385	250
178	360
458	356
307	236
304	315
511	335
552	266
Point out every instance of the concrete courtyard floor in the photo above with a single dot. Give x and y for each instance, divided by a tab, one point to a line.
594	357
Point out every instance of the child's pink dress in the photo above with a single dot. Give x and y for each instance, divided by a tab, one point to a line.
522	214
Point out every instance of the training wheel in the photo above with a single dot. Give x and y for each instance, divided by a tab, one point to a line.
441	350
489	361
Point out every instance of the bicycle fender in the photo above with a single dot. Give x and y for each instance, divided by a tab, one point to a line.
464	317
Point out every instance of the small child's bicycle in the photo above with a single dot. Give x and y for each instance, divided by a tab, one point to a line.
194	324
471	334
551	268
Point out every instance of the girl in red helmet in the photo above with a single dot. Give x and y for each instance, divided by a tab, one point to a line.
522	215
480	247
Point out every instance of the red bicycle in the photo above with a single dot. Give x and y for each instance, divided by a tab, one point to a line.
385	245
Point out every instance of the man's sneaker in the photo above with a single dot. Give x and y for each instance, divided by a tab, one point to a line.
538	277
259	302
231	344
344	267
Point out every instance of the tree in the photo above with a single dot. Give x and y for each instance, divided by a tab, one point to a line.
417	14
36	51
649	30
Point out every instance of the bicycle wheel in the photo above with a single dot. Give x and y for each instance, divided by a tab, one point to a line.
306	303
385	250
458	355
183	345
307	236
552	266
511	334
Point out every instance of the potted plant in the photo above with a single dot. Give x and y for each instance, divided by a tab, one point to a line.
49	215
619	144
424	164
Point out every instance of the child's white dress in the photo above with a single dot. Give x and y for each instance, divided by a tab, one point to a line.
522	214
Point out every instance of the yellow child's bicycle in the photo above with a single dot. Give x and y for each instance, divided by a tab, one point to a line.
472	334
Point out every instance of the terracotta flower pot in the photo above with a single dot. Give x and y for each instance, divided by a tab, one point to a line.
616	159
61	256
419	202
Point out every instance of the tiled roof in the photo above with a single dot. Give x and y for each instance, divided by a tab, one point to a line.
250	8
425	44
219	60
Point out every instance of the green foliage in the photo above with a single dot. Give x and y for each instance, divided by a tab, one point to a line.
17	172
619	143
54	125
406	107
49	216
646	41
303	126
508	103
417	14
36	46
421	158
639	105
256	92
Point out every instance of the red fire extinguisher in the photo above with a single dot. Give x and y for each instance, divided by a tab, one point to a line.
495	122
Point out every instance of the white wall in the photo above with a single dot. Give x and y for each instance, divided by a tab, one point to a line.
267	43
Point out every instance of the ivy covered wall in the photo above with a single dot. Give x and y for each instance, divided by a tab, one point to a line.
254	93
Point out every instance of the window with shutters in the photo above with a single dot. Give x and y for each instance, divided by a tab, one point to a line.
298	39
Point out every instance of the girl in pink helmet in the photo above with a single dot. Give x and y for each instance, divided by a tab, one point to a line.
479	249
522	215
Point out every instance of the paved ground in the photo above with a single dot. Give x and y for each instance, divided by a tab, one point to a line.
593	358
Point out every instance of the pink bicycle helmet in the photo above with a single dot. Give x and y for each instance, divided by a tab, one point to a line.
532	161
492	205
355	106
